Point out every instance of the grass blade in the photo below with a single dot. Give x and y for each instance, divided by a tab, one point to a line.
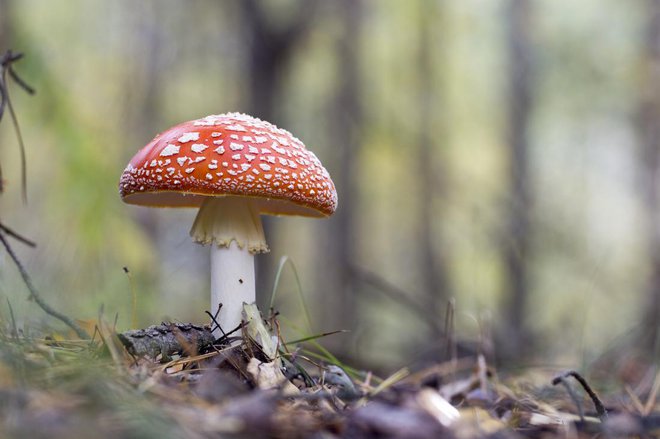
301	297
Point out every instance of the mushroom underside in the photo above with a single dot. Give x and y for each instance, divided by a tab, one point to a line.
221	220
269	206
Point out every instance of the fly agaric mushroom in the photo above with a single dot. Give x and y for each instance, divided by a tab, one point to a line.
234	168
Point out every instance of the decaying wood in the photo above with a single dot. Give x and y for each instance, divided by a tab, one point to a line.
167	339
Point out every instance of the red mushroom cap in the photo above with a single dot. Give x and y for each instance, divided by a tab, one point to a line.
229	154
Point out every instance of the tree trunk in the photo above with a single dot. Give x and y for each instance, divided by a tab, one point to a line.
346	125
147	45
432	173
144	112
5	27
649	132
516	245
270	46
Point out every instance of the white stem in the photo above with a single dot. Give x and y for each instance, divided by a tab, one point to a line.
232	227
232	283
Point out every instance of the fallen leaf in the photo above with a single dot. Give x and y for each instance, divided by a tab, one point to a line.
269	376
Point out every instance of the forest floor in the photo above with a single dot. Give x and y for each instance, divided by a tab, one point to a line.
177	381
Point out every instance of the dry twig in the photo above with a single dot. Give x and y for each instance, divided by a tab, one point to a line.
6	62
34	294
600	408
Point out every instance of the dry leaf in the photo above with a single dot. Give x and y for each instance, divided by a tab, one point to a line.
269	376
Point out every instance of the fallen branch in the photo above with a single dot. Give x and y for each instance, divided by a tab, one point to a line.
166	339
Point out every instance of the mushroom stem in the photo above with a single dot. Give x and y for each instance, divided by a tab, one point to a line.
232	226
232	284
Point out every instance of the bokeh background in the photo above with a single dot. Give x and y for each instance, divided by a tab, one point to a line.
498	156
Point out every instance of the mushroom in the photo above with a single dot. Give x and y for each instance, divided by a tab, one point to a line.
234	168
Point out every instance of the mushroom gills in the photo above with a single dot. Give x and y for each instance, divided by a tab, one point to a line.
221	220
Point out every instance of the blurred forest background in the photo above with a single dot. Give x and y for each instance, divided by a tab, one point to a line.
501	155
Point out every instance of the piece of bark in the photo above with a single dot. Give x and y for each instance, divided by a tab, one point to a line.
167	339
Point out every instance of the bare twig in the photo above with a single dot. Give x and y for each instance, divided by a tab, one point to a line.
6	62
225	337
600	408
451	351
14	328
20	81
34	294
21	146
16	236
571	393
214	319
650	401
